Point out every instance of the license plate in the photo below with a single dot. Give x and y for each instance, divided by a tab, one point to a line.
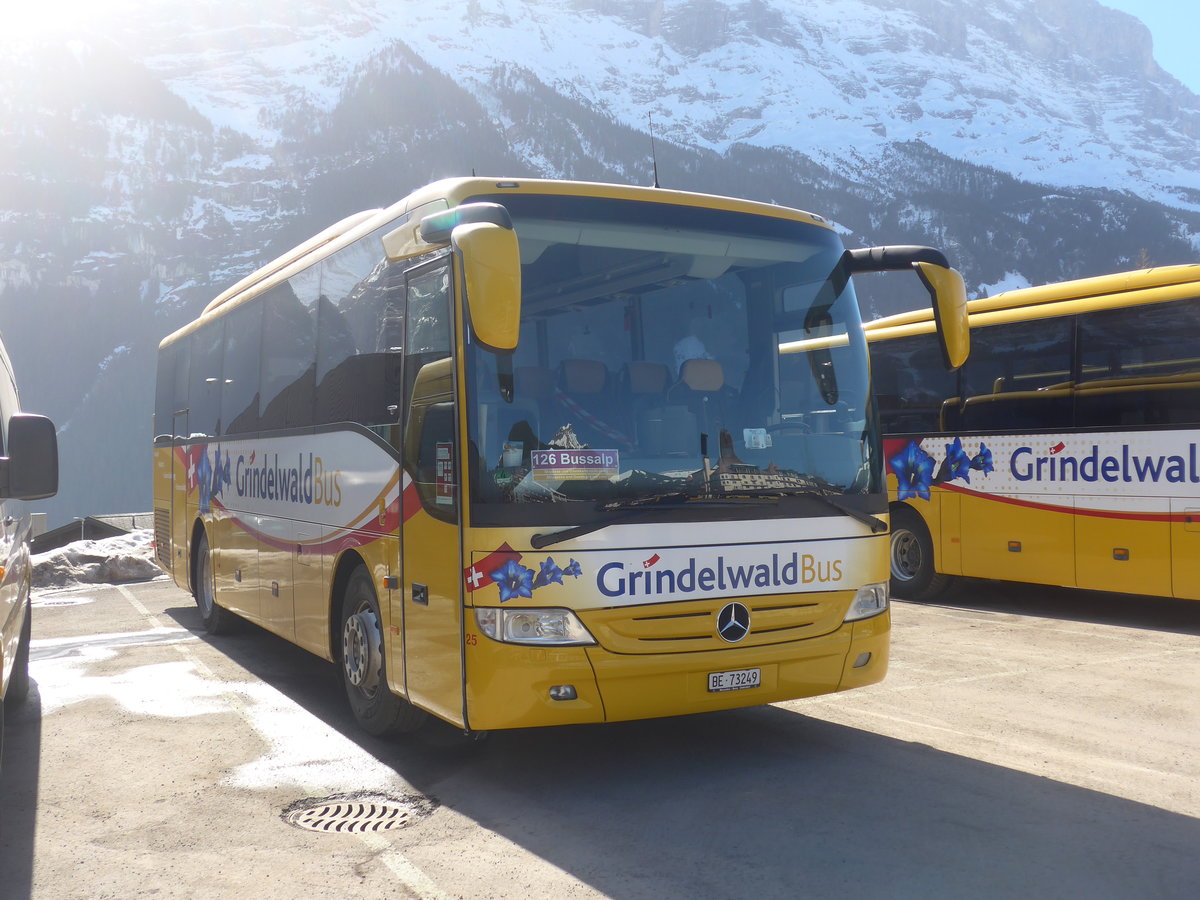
734	681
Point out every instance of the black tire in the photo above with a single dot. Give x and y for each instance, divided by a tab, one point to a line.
216	619
364	667
18	682
913	574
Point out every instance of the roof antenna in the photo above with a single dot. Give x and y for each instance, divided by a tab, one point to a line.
653	152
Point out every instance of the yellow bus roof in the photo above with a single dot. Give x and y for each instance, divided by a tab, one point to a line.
451	192
1034	302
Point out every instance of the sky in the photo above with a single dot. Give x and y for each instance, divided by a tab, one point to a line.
1174	25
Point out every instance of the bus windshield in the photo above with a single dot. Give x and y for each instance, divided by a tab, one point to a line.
669	352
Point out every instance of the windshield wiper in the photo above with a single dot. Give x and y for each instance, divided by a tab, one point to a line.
875	523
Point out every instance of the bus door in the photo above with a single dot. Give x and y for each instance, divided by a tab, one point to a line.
431	595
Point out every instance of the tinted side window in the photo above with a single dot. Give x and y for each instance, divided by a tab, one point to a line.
428	332
1140	366
239	391
911	384
165	405
1018	376
360	321
204	399
288	359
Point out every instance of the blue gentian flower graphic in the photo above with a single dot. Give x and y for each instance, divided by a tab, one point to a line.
573	569
957	461
983	461
220	475
914	470
514	580
204	481
549	573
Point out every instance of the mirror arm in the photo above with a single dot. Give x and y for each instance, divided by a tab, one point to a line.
892	259
504	376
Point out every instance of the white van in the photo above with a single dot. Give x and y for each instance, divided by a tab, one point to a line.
28	471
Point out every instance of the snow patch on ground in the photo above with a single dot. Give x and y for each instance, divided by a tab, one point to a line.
302	750
115	560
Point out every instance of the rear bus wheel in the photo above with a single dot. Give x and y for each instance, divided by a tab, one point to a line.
216	619
913	575
364	668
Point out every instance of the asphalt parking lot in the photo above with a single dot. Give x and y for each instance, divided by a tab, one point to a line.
1027	742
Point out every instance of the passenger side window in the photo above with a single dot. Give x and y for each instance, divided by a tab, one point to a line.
204	397
428	321
359	337
1018	377
288	359
912	384
240	374
1140	366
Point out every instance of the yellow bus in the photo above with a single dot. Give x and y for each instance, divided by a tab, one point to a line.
521	453
1064	452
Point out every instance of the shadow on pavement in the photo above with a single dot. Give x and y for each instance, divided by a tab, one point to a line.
1073	605
763	803
18	794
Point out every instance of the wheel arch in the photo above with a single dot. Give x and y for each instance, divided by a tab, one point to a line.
346	564
198	529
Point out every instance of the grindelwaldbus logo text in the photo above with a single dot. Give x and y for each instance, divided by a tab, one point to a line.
1125	466
306	481
781	571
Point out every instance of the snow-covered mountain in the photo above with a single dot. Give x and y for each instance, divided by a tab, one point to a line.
152	153
1061	92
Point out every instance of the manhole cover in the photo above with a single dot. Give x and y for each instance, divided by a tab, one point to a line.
357	813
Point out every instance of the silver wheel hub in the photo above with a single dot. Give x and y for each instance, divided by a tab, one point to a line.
906	555
361	653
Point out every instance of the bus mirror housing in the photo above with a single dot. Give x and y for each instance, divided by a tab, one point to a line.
947	292
492	269
30	470
949	297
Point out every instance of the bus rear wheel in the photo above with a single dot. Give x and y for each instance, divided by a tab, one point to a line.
364	666
913	575
216	619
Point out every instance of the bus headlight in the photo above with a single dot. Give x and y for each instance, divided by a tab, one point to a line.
871	600
559	627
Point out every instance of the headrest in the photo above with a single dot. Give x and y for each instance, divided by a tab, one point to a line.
583	376
702	374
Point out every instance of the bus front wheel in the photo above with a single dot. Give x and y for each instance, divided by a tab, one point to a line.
364	666
913	575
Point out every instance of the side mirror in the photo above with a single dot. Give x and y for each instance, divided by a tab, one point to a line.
30	471
492	267
945	285
949	297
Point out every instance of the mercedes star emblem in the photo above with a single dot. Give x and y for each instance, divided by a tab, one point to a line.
733	622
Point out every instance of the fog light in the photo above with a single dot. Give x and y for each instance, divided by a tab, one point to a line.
863	659
563	692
